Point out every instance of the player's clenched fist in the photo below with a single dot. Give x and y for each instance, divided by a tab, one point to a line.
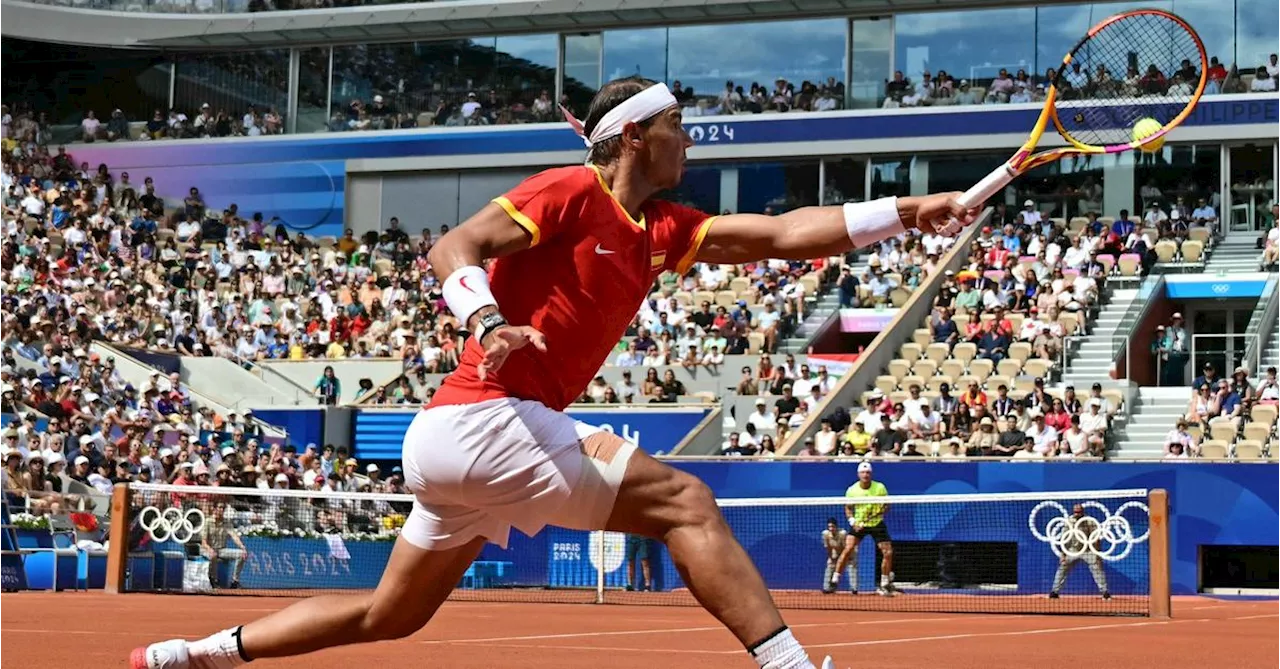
502	341
941	213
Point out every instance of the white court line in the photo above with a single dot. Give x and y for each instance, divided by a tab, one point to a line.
678	630
981	635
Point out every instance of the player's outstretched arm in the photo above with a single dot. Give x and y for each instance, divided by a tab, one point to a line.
812	232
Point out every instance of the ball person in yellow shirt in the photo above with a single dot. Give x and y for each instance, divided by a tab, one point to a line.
867	520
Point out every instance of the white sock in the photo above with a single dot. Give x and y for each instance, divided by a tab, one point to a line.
884	580
222	650
835	578
781	651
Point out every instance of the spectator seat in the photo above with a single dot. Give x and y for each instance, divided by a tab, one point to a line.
1116	397
997	380
1020	351
755	342
1256	431
1009	367
911	352
1221	429
739	284
935	382
1199	234
924	367
981	368
726	298
1192	251
1166	250
952	367
1037	368
922	337
964	352
1248	449
1214	450
899	368
1265	413
886	384
1130	263
937	352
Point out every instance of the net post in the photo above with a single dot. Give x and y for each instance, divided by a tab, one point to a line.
118	552
599	566
1158	502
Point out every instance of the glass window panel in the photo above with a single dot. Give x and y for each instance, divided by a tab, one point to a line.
1215	25
700	189
1252	186
1064	188
63	83
582	69
247	92
313	89
846	181
777	187
1257	32
480	81
872	61
1178	174
973	45
526	72
811	52
631	53
890	176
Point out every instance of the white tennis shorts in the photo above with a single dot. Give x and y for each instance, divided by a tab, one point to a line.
479	469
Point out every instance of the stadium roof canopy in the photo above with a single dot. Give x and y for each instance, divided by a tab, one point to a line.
420	21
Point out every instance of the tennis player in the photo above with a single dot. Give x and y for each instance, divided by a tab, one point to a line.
867	520
1080	526
577	250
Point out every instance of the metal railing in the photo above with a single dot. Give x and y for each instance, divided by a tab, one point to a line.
1262	326
1151	287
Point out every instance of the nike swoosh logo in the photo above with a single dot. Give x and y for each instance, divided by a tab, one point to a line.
463	282
601	251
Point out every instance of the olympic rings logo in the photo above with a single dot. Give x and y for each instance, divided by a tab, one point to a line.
1109	539
172	523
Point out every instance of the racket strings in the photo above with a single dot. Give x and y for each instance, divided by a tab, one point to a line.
1143	65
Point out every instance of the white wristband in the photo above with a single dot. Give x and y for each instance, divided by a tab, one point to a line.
870	222
466	291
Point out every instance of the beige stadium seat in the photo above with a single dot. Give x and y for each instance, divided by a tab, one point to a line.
907	381
1256	431
748	295
887	384
1192	251
922	337
383	266
981	368
951	367
1196	432
899	297
1070	324
963	382
961	321
937	352
1108	263
911	352
726	298
706	396
1129	265
704	296
1020	351
810	282
755	342
1037	367
924	367
1056	393
740	284
1106	220
1166	250
685	298
1214	450
899	368
1222	430
1015	321
899	396
1024	385
964	352
1265	413
1248	449
995	381
1200	235
1009	367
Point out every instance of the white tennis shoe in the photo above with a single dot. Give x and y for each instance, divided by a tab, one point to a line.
828	663
173	654
164	655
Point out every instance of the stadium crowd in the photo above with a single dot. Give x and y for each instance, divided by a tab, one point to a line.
973	383
378	88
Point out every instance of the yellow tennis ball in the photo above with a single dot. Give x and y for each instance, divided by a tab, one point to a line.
1146	128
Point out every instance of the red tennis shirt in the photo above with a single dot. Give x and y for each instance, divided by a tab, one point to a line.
587	270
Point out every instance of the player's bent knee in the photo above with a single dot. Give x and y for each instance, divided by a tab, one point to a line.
696	502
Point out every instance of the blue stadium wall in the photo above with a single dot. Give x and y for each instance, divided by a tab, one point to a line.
302	179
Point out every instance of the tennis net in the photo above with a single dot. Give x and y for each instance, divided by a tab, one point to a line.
1081	552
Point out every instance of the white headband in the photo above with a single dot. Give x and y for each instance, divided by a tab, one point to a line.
636	109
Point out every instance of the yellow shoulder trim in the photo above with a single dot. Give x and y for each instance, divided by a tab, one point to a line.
692	254
530	226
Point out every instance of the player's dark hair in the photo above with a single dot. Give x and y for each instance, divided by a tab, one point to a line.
832	521
609	96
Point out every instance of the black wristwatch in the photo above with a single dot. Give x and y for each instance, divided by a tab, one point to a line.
488	323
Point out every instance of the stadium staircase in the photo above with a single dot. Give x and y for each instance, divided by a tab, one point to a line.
821	308
1152	413
1091	360
1270	354
1235	254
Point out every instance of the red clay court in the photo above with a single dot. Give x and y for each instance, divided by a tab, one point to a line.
83	630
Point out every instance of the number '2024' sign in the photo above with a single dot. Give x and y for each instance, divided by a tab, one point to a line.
711	133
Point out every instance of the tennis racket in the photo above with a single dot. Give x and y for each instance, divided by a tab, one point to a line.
1109	113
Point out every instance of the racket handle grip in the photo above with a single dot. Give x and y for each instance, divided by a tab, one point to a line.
990	185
